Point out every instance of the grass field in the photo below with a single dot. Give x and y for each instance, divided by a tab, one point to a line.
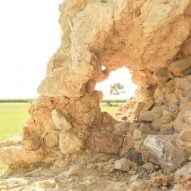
13	117
111	110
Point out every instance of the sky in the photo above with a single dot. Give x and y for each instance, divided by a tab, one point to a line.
122	76
29	35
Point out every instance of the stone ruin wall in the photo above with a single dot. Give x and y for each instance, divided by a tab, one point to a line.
152	38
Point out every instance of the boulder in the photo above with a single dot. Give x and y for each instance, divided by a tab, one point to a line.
121	128
185	169
164	152
181	67
16	156
137	134
149	116
148	106
60	121
32	143
166	118
184	139
162	74
167	129
183	120
128	143
148	166
133	155
123	164
105	143
69	143
137	109
51	139
151	38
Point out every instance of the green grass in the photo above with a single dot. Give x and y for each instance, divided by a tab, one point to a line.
111	110
13	117
3	168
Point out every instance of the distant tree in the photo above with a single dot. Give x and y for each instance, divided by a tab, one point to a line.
117	89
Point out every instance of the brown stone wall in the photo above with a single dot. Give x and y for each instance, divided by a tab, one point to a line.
152	39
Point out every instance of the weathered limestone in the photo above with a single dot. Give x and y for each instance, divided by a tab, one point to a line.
186	169
123	164
60	121
105	143
181	67
69	143
164	152
150	37
149	116
15	156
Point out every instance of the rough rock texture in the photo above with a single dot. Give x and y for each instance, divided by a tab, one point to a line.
150	37
164	152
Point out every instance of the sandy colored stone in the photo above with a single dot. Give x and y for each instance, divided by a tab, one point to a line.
183	139
11	141
166	118
121	128
149	116
51	139
185	169
123	164
128	143
148	166
152	39
167	129
60	121
181	67
137	134
164	152
183	120
138	107
105	143
33	143
69	143
16	156
162	75
148	106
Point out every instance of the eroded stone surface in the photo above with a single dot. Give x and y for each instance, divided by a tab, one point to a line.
186	169
123	164
152	39
164	151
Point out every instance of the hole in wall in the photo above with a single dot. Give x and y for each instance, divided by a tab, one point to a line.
117	89
103	68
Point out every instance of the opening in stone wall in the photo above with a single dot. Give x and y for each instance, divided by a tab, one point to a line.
69	141
117	89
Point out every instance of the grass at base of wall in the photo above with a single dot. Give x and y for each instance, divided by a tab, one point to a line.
3	168
13	117
111	110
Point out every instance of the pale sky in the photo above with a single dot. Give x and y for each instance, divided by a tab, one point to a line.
123	76
29	35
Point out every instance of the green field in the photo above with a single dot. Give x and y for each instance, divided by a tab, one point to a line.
111	110
13	117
